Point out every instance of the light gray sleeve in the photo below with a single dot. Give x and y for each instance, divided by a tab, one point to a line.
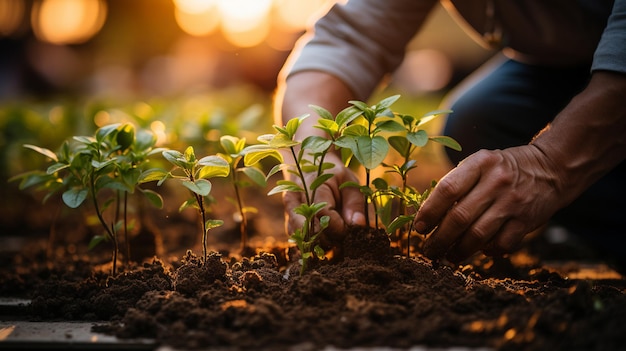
610	54
359	42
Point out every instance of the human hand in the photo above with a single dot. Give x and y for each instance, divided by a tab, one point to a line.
345	206
489	202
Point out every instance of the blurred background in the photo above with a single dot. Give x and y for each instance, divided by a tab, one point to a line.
189	70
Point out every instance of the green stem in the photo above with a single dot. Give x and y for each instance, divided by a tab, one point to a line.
243	227
110	232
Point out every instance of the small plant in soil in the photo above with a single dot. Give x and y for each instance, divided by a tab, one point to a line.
105	168
410	199
367	136
194	175
308	158
234	151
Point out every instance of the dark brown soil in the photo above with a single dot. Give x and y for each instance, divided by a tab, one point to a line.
365	297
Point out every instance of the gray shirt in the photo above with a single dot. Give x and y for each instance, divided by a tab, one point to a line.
363	40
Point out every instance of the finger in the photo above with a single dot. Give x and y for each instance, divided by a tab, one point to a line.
353	205
291	200
507	240
461	217
449	190
475	237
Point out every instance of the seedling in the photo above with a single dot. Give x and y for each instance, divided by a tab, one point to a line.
406	144
308	157
234	149
85	166
195	177
363	141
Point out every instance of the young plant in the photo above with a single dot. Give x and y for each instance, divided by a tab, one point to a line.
195	175
363	141
412	138
234	151
86	166
308	157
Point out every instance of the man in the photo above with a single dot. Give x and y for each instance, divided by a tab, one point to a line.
543	128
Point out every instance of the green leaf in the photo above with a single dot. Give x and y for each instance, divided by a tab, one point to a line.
380	184
447	141
95	241
176	158
390	126
232	145
399	222
213	223
256	153
316	144
152	174
125	136
399	143
85	139
370	151
322	112
419	138
213	166
355	130
105	131
319	252
56	167
386	102
255	175
347	115
320	180
74	197
144	140
349	184
201	187
281	141
281	188
432	115
155	198
49	154
191	202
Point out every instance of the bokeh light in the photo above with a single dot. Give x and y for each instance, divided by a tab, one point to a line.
11	15
67	21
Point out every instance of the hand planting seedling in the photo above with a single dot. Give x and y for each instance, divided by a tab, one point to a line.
412	138
113	159
195	175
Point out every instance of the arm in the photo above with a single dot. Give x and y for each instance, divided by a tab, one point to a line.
343	58
494	198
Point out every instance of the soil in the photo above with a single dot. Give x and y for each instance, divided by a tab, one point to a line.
367	296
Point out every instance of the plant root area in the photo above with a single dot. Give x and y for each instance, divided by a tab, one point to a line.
367	296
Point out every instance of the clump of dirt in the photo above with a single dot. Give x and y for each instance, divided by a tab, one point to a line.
367	296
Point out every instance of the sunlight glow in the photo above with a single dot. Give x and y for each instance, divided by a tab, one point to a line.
296	15
199	23
194	6
11	16
67	21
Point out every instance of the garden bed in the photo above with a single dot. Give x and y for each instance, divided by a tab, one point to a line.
368	298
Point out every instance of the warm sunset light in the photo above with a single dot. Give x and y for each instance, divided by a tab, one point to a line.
198	23
245	23
11	13
67	21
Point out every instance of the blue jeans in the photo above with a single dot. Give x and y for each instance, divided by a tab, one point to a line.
509	103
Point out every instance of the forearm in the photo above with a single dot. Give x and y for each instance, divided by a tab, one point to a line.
588	138
302	89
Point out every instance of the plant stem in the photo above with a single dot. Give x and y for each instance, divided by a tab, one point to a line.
110	232
243	227
200	201
126	239
301	175
367	198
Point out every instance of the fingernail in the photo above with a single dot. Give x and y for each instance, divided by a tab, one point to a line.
420	227
357	218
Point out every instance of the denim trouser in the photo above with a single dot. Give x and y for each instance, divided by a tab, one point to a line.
505	104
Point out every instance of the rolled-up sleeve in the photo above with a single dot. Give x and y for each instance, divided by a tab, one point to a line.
359	42
610	54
